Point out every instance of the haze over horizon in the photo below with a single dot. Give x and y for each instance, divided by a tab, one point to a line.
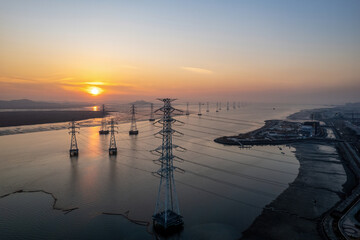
273	51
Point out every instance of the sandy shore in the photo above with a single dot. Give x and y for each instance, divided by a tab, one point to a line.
8	119
296	213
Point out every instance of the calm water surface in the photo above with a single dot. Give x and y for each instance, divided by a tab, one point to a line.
221	192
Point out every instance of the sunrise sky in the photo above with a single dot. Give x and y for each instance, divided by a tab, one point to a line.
112	50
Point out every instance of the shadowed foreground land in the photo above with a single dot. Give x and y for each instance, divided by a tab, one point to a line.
8	119
296	213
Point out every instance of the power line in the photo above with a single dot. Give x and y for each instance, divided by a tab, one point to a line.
214	179
233	119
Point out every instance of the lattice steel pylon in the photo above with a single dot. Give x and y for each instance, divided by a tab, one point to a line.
217	106
167	213
112	146
207	107
103	129
220	106
234	105
133	128
199	113
74	150
187	109
227	106
103	110
152	118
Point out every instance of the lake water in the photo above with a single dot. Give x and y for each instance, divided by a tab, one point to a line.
222	191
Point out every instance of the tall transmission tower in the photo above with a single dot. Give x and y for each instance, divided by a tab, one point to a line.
74	150
207	107
112	146
152	118
133	128
217	106
227	106
103	129
167	213
199	114
187	109
234	105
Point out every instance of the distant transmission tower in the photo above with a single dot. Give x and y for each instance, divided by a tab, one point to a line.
199	114
217	106
207	107
112	147
74	151
187	109
234	105
103	129
167	213
103	110
220	106
239	104
133	128
152	118
227	106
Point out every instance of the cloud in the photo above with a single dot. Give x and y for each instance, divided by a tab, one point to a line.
197	70
17	79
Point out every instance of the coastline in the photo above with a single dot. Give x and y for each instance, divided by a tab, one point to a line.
322	182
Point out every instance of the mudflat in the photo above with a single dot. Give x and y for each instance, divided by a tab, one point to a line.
18	118
295	214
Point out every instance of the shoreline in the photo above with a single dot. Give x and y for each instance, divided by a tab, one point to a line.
261	136
299	209
325	181
25	118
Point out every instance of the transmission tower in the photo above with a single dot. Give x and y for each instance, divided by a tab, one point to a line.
234	105
74	150
133	128
227	106
187	109
167	213
199	114
152	118
239	104
220	106
207	107
217	106
112	147
103	110
103	129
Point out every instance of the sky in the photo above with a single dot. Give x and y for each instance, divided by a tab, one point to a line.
111	50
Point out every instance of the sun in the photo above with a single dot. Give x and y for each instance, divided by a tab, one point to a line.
95	91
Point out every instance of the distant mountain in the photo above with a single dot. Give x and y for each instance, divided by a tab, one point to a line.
140	102
29	104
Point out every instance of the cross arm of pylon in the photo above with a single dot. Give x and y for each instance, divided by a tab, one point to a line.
179	148
70	132
179	170
156	151
178	159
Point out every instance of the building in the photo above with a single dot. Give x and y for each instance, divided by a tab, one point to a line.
307	130
315	125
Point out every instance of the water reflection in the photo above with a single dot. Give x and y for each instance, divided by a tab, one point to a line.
112	172
74	177
96	182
